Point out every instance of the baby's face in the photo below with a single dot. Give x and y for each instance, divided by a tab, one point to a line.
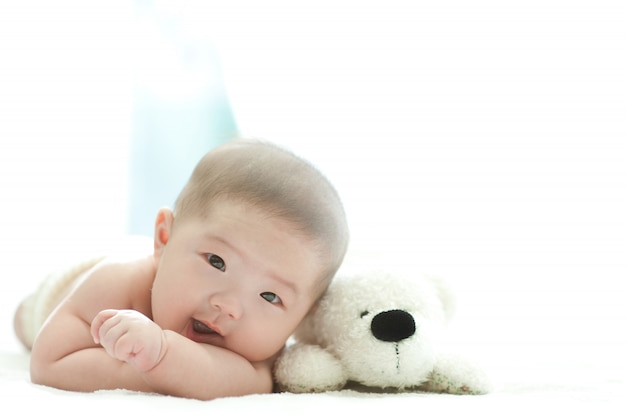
238	280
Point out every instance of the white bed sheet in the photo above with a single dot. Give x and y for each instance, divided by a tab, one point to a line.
545	393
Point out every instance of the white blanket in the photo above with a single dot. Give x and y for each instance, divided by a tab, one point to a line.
551	392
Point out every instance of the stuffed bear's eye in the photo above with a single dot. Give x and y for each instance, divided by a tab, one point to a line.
364	313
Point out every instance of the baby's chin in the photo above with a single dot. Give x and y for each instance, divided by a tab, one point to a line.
253	355
249	351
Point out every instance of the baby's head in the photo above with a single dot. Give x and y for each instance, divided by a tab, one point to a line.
277	182
254	240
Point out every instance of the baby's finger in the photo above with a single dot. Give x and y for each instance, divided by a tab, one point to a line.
98	321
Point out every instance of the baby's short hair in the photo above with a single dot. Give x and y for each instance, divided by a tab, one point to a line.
277	181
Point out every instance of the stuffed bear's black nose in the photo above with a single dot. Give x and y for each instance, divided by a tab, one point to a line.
393	325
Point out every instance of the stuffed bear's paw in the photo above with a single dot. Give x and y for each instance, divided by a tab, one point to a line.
454	374
308	368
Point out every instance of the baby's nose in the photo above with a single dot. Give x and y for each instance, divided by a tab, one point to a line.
393	326
227	304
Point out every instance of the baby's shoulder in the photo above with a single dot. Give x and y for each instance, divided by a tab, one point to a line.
129	257
125	275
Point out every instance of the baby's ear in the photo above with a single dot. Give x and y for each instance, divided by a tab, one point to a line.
162	230
446	295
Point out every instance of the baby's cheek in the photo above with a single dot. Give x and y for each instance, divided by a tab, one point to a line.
262	344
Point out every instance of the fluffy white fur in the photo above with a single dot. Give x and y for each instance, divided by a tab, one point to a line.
337	342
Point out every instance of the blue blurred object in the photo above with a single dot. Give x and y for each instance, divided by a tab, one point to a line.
180	111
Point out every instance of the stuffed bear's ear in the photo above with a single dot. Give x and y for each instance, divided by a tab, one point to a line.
446	295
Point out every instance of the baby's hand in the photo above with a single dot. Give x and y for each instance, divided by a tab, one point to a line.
131	337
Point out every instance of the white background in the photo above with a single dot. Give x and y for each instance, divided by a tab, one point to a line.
484	141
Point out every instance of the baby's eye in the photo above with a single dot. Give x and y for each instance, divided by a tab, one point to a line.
216	261
271	297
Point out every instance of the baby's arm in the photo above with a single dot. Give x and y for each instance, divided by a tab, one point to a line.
185	368
173	364
197	370
70	360
64	354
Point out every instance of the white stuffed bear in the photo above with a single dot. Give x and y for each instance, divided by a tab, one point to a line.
380	331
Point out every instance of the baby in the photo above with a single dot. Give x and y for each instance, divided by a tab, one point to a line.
254	240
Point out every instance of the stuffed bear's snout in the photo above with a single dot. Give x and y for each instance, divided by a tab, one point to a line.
393	326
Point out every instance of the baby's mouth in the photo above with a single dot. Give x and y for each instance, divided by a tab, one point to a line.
202	328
